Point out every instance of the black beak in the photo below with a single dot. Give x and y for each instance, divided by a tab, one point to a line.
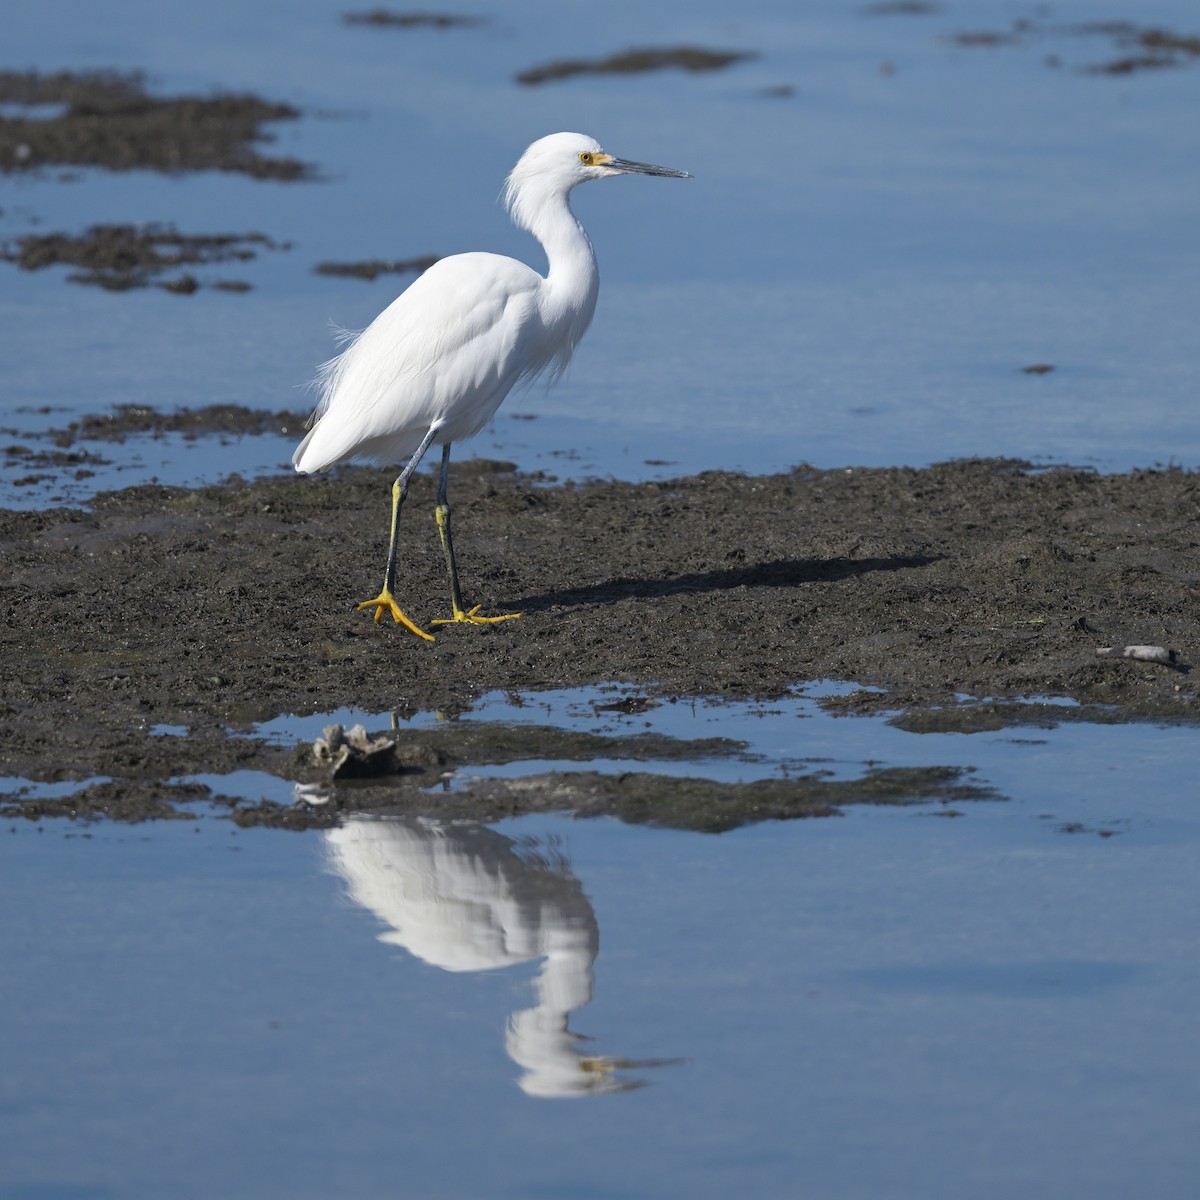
637	168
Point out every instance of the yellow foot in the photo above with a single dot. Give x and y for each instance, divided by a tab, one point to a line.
386	602
472	617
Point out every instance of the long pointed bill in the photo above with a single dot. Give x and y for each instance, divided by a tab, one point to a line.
637	168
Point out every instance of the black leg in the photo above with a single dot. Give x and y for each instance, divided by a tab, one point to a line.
442	516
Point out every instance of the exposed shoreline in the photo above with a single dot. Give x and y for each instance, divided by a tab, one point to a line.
219	607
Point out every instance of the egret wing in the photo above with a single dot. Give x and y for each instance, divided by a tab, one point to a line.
446	351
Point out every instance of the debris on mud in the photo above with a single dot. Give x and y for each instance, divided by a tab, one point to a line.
688	58
120	257
351	754
108	119
372	268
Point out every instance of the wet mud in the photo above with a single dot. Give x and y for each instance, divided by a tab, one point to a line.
208	610
433	772
122	257
108	119
631	62
636	797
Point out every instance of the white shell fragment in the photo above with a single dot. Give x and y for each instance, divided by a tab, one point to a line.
1157	654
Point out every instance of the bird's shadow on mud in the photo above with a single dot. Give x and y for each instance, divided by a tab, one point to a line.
782	573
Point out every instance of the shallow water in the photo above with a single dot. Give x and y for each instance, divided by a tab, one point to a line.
881	1003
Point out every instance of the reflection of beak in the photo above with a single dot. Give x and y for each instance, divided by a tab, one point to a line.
636	168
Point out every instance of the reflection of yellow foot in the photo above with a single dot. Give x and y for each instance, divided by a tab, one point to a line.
472	617
386	602
598	1065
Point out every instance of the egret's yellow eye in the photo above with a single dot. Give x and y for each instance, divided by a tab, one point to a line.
586	157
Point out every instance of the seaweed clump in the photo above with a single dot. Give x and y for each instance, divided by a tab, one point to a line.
120	257
108	119
632	62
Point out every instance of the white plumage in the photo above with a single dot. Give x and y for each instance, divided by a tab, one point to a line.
445	352
435	365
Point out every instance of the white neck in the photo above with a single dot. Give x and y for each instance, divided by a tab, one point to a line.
546	212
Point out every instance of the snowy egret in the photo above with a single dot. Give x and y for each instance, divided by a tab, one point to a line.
435	365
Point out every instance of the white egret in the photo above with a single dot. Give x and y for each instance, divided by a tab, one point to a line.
435	365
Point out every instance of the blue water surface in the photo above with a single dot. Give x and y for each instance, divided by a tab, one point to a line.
993	998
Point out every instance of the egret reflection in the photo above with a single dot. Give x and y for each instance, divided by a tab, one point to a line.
466	898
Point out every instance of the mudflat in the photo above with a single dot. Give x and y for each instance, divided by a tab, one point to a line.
214	608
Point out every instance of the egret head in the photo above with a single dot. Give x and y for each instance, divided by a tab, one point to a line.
553	165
